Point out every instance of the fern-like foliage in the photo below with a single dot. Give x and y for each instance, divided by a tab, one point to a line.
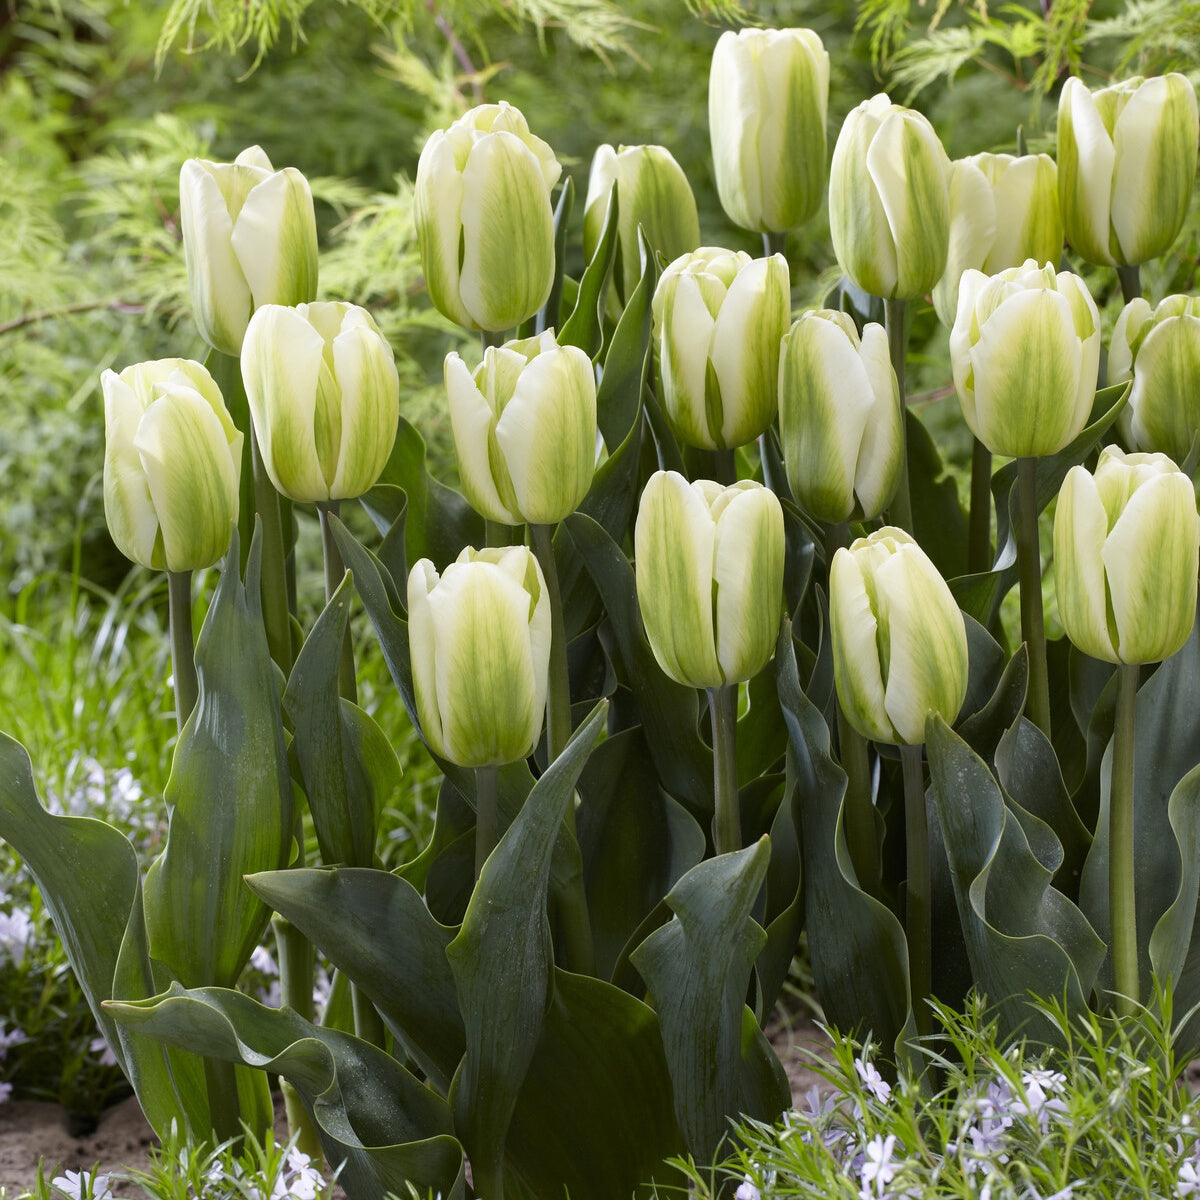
1153	36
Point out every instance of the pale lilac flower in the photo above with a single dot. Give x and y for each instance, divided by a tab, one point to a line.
99	1046
1040	1100
1189	1180
261	961
877	1169
747	1191
6	1090
873	1081
75	1184
8	1040
15	930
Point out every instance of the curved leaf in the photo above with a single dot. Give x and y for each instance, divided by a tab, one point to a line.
583	328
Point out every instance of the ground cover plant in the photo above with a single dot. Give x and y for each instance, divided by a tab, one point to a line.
682	604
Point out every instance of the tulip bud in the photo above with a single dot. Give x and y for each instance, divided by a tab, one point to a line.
899	639
249	239
839	417
479	637
324	397
1159	349
172	462
1003	210
654	193
718	320
1126	165
1126	542
524	426
484	218
1025	349
768	92
889	200
709	564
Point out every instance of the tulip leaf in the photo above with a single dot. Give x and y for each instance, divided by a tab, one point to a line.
369	1112
938	520
229	797
636	841
1021	935
1171	939
502	960
453	818
375	928
783	914
549	316
697	969
995	690
584	327
668	711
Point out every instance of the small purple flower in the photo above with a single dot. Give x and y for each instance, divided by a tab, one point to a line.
873	1081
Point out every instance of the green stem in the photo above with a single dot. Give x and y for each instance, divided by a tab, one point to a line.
725	467
1131	282
183	647
775	243
893	318
497	534
492	338
1122	913
979	543
1029	568
335	569
224	1109
368	1024
487	814
727	819
276	616
918	921
295	958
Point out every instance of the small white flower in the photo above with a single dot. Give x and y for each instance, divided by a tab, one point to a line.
1188	1183
747	1191
80	1186
873	1081
99	1046
8	1040
261	960
877	1169
15	930
6	1090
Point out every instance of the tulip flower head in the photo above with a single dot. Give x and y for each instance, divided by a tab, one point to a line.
1126	550
718	320
524	426
768	92
172	462
484	219
709	566
1126	166
479	637
899	639
1025	350
249	239
324	397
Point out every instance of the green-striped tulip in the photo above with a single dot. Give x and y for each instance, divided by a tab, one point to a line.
524	426
839	417
653	193
899	639
768	92
324	397
709	565
1003	210
484	220
172	461
1126	547
1025	349
479	636
889	200
1159	349
718	320
249	239
1126	166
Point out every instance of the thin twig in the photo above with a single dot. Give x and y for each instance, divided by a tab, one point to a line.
50	314
460	51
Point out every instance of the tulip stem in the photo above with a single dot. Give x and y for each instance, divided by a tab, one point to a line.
335	569
918	910
727	817
1029	568
979	543
900	513
224	1111
276	616
775	243
492	338
1131	282
295	958
725	467
1122	912
487	814
183	647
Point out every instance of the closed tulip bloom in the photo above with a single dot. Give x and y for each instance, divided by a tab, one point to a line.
899	639
172	462
1126	546
1003	210
889	200
709	565
479	638
654	193
324	397
839	417
524	426
1025	349
249	239
1126	166
768	92
718	320
484	219
1159	349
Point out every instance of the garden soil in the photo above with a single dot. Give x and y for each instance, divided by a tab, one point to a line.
32	1130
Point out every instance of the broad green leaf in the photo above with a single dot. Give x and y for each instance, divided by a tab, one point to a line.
502	960
584	327
697	970
995	690
939	523
783	913
550	316
1172	934
369	1112
229	797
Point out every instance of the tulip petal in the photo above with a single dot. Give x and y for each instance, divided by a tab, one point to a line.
437	215
472	424
423	651
128	506
1028	224
684	344
275	239
972	233
1080	529
858	223
1165	398
881	453
854	630
1086	158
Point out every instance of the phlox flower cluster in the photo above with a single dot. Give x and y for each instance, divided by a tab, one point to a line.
296	1179
16	929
